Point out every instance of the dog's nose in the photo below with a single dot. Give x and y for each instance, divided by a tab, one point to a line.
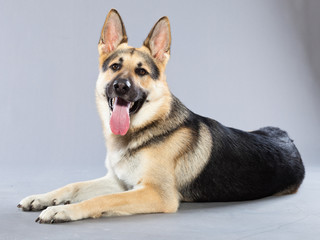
121	86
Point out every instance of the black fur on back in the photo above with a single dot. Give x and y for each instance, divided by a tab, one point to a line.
245	165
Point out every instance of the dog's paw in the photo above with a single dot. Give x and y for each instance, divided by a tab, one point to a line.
38	202
35	203
58	214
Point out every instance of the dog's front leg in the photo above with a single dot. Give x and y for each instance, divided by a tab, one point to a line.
72	193
146	199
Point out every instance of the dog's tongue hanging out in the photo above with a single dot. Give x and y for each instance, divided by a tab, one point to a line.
120	120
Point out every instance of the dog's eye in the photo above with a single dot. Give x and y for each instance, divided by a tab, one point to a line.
115	67
141	71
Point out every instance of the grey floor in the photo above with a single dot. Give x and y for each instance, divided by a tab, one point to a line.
287	217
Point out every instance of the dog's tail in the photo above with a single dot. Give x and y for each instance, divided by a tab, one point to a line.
282	139
274	132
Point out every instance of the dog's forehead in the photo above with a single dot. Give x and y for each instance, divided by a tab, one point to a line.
133	56
138	57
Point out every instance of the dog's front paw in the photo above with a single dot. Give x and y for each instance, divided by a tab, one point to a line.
58	214
39	202
35	202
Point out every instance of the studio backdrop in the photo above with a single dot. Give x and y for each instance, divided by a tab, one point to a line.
247	64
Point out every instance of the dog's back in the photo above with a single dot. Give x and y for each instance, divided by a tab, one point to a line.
246	165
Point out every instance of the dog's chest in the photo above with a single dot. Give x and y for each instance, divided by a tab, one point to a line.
127	169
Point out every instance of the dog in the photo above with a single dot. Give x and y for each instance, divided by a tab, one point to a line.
159	153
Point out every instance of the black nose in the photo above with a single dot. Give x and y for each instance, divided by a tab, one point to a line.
121	86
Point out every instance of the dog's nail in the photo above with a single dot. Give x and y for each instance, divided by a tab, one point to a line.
31	207
67	202
52	221
37	220
19	206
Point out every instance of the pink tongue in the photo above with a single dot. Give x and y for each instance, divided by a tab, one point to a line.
120	120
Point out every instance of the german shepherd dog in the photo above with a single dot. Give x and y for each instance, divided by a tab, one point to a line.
159	153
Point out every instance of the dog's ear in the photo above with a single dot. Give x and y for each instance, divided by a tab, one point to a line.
113	33
159	40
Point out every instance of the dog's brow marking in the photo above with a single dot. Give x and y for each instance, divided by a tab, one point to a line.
121	60
154	69
132	51
111	57
139	64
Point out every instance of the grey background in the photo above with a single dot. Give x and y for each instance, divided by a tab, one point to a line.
246	64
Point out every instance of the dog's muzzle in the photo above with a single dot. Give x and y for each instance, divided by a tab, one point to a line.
124	99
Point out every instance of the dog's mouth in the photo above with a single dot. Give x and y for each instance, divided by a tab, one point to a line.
133	106
121	110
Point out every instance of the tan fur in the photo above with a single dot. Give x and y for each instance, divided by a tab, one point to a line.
143	200
290	190
190	164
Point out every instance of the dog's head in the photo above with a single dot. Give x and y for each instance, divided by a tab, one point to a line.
131	89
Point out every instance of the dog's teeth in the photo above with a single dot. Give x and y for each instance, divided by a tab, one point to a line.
112	101
131	104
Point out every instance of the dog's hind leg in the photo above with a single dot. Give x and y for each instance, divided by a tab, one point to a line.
71	193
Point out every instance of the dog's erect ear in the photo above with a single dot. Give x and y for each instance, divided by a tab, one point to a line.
159	40
113	33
